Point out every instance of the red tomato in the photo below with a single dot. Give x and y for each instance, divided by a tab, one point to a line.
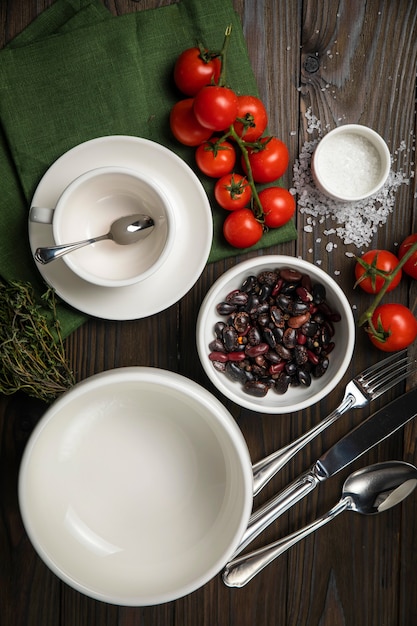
215	107
195	69
269	162
278	206
396	327
252	110
410	266
184	126
241	229
232	192
215	160
368	266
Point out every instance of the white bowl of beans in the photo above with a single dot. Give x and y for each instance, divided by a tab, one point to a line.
275	334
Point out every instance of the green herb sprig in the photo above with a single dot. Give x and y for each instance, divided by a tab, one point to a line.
32	354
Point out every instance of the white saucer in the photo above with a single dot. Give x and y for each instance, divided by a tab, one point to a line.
194	228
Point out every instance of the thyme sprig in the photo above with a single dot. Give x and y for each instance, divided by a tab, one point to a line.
33	357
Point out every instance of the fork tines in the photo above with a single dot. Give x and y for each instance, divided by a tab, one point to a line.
380	377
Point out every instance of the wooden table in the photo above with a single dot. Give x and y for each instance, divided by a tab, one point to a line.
351	62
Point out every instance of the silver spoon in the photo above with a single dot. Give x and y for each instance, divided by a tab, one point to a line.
368	491
123	231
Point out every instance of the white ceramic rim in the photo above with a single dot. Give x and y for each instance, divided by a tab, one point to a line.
170	217
204	335
376	140
190	389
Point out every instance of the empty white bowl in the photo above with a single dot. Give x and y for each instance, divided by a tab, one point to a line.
136	486
297	397
352	162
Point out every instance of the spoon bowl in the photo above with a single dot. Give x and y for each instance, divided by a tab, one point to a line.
123	231
370	490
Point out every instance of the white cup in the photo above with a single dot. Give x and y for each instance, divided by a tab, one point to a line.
352	162
88	207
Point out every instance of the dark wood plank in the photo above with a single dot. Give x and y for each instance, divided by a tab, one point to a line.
356	570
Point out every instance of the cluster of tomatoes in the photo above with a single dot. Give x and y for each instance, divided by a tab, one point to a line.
390	326
226	131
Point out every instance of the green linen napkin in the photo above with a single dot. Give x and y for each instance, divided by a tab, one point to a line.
77	73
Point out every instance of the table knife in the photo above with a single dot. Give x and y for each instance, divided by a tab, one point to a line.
368	434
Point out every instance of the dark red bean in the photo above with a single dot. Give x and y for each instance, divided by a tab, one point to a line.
303	294
313	358
237	356
290	275
221	357
276	368
254	351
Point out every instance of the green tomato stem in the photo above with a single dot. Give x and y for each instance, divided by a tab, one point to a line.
259	212
223	56
366	317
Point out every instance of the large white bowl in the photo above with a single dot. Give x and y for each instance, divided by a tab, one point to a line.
136	486
296	398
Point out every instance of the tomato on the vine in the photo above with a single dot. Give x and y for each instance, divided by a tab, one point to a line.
184	126
215	107
278	205
252	110
269	161
194	69
232	192
241	229
395	325
410	266
367	270
215	160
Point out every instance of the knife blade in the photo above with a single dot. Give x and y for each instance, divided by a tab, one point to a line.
368	434
357	442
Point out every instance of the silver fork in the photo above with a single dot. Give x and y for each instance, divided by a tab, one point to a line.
364	388
360	391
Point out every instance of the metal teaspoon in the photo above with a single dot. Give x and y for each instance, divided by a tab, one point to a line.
370	490
123	231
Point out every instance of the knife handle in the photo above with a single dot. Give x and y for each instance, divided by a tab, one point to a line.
241	570
275	507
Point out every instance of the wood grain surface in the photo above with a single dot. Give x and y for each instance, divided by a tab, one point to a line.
347	61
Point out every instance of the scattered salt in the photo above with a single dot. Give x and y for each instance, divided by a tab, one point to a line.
354	222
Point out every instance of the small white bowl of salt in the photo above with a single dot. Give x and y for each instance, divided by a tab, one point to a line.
350	163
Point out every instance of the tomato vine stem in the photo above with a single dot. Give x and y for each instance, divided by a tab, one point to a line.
366	317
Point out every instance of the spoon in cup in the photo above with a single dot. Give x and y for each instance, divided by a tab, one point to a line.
370	490
123	231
